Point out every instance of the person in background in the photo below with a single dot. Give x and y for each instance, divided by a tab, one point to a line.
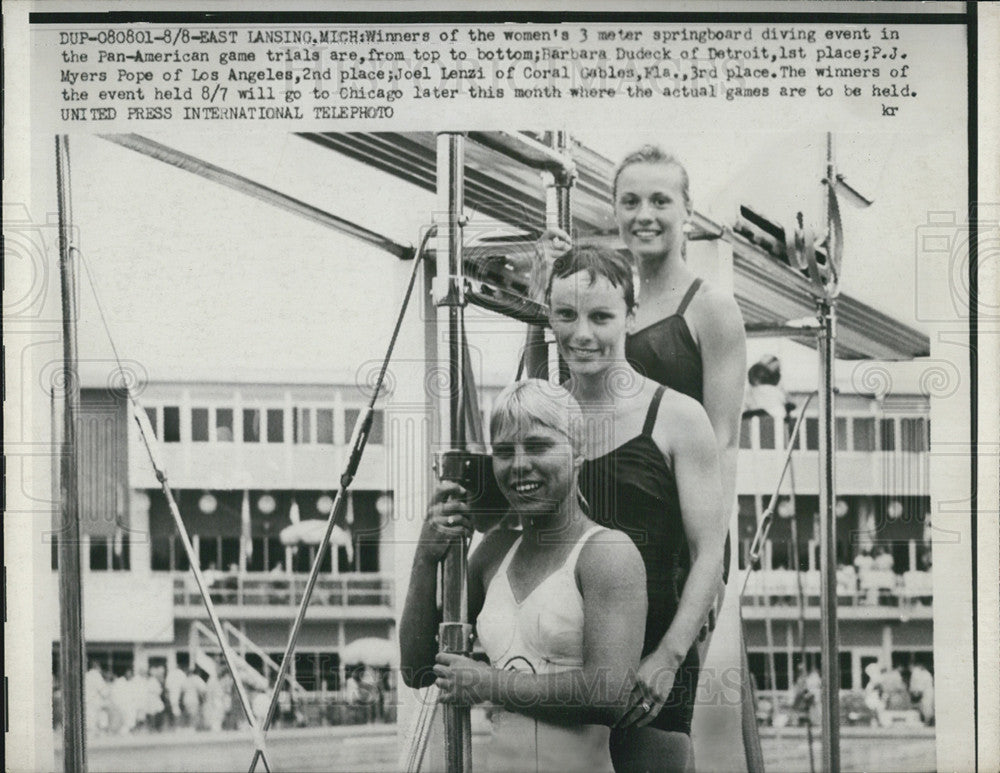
192	695
96	694
922	692
174	684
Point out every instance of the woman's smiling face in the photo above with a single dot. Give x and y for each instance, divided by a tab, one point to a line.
651	208
590	320
534	466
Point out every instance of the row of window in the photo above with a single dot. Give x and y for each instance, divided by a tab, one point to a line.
265	554
104	554
258	425
220	553
859	433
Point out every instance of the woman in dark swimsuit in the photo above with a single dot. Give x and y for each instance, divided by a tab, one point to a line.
652	471
688	335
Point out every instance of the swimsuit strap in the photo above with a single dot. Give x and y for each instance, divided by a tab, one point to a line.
574	554
688	296
654	407
502	569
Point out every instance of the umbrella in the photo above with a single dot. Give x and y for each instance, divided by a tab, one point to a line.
372	652
311	531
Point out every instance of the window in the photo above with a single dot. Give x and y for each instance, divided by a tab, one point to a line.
256	561
887	430
766	431
265	555
224	425
120	553
305	670
302	425
329	670
841	433
812	434
99	554
324	425
208	552
199	425
230	549
171	424
151	415
109	553
351	418
55	552
160	554
251	425
275	425
114	662
864	434
745	434
179	557
912	435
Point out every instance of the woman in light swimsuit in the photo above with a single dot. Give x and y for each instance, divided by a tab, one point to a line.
556	604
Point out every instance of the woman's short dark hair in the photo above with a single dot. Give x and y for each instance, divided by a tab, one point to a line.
596	261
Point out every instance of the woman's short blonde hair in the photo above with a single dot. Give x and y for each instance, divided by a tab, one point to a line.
539	401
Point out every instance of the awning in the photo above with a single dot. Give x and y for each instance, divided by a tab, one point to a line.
372	652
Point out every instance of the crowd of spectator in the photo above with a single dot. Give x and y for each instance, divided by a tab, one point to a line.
158	699
204	698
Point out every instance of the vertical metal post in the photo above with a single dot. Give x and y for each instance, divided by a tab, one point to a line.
558	214
449	296
71	660
828	543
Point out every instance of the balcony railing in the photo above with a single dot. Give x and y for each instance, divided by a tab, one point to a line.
779	587
356	590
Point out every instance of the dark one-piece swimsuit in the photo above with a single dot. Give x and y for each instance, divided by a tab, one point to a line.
633	489
666	353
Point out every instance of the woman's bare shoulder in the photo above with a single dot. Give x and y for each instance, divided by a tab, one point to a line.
715	312
611	555
492	549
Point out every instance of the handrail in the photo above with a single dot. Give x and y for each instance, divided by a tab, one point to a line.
204	630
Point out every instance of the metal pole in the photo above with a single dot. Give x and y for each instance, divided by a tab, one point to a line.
828	543
826	311
71	660
449	296
559	214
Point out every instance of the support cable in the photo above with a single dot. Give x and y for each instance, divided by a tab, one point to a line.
753	558
359	439
149	441
258	728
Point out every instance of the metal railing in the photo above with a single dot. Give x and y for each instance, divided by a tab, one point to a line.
242	590
777	588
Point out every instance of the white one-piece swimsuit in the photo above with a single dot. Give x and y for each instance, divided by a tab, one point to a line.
542	634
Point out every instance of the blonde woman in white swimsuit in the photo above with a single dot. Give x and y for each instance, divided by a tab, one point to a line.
556	603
